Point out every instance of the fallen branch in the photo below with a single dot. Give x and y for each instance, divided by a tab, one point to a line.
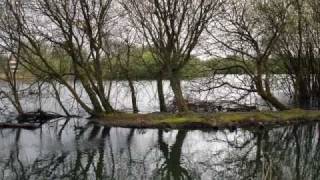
18	126
38	117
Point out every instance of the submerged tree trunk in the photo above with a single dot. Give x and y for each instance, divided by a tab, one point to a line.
162	103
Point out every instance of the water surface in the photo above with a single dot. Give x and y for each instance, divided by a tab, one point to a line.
76	149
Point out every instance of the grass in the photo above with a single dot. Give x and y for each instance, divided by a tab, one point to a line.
208	120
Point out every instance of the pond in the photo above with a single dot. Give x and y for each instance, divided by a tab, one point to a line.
78	149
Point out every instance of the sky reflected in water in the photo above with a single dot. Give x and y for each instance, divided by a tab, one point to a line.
76	149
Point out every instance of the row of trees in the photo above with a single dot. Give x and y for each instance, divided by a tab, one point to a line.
87	37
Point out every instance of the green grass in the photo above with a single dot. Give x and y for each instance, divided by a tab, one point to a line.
208	120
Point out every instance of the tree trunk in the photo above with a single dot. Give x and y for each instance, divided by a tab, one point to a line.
304	96
17	103
267	95
92	96
177	91
133	96
102	96
105	103
162	103
12	81
97	108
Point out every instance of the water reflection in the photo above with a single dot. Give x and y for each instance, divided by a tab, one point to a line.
74	149
171	167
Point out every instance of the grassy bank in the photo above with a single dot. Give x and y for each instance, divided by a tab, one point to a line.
209	120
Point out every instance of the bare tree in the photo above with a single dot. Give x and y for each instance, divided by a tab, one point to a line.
78	27
299	50
128	57
11	64
250	30
172	29
10	88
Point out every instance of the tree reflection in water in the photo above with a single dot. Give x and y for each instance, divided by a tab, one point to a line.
171	167
70	149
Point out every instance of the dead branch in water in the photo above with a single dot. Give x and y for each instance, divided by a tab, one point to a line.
18	126
32	120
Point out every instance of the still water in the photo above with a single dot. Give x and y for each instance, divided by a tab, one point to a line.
78	149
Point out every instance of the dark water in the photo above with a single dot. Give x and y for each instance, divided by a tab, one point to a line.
76	149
